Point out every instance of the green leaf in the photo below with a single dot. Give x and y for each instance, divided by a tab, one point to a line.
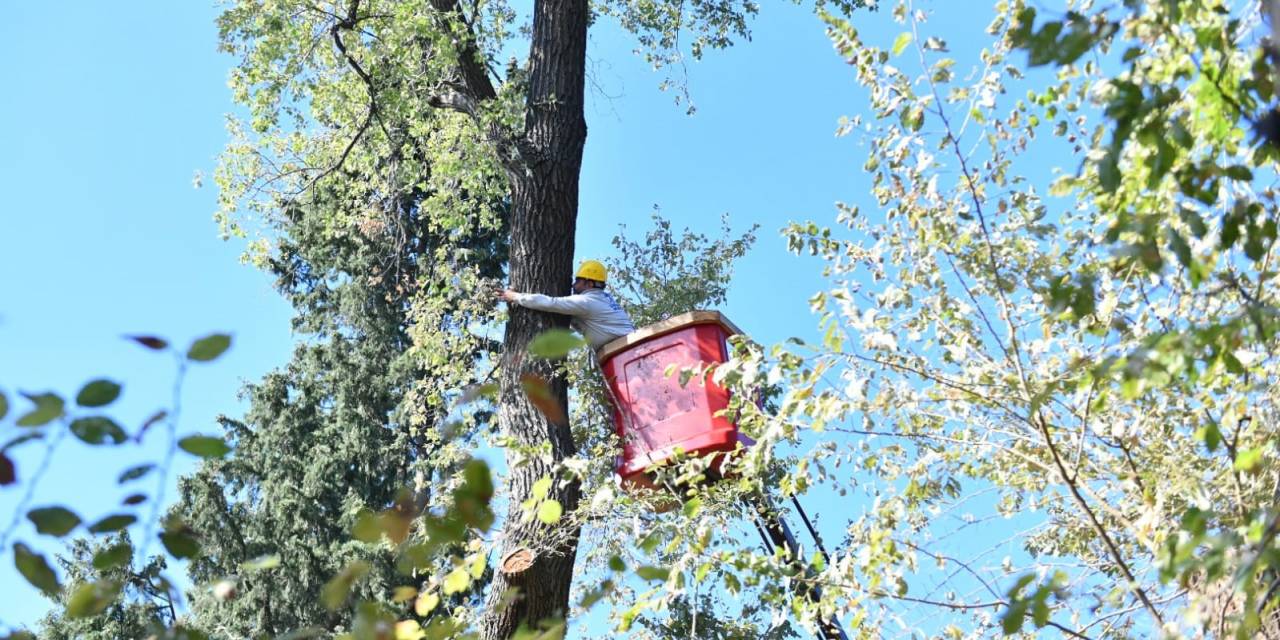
701	573
549	511
335	591
900	43
133	473
541	487
1040	610
478	565
616	564
590	598
1248	460
98	429
92	598
366	528
33	567
818	562
1074	44
1011	621
1180	247
209	347
934	43
1195	521
426	603
1108	177
260	563
4	405
98	393
554	343
912	118
204	446
1239	172
477	480
53	521
652	573
180	544
651	541
1210	435
474	392
692	507
114	522
49	407
151	421
25	437
457	581
114	556
471	498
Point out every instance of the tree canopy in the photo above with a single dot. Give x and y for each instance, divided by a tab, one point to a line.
1044	388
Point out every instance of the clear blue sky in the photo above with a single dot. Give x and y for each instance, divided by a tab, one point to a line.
111	108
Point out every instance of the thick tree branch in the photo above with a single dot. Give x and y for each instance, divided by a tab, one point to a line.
347	24
473	88
471	68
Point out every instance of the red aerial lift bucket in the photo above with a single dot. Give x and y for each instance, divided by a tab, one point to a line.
655	417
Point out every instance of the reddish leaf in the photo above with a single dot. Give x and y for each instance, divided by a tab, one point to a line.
150	342
540	394
7	473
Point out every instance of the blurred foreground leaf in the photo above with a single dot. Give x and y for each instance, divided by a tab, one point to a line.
554	343
98	393
35	569
49	407
53	521
209	347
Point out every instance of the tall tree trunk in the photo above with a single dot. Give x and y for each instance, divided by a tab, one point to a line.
544	217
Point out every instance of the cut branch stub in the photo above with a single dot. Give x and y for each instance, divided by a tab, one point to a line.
517	561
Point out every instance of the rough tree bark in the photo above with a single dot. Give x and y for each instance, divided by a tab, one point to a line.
543	164
544	218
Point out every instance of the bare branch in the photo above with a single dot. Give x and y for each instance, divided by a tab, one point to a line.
348	23
345	152
1073	486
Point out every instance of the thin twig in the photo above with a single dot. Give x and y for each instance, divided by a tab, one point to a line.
171	426
29	495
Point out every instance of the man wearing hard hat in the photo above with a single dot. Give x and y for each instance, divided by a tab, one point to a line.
596	315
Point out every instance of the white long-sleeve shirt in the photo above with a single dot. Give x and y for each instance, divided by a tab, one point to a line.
596	315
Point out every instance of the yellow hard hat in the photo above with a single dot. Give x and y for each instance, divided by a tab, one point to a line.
592	270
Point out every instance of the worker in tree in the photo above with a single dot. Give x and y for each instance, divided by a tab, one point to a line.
596	315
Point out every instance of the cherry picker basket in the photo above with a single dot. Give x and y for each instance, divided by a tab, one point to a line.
655	416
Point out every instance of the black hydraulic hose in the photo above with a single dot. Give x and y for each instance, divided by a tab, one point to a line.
764	537
770	521
817	539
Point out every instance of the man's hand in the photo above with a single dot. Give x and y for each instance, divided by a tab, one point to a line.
505	294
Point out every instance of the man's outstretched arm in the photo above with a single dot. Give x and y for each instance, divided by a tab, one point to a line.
574	305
